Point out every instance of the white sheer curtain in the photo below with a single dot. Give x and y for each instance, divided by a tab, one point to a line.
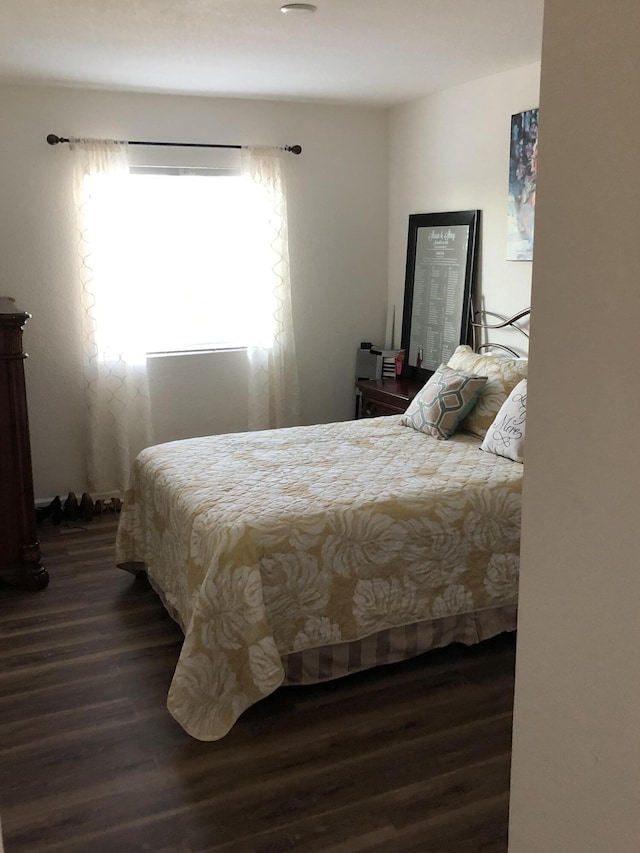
274	393
116	389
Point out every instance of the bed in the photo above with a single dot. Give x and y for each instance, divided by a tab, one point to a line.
297	555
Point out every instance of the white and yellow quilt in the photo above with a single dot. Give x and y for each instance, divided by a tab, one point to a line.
266	543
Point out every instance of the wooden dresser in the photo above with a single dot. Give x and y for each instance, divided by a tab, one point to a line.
19	547
386	396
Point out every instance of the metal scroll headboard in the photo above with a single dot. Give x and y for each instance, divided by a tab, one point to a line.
479	323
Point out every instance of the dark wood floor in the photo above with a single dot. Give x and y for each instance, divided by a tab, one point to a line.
410	757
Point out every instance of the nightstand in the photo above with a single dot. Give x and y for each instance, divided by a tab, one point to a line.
386	396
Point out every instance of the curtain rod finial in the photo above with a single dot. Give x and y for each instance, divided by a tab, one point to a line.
296	149
52	139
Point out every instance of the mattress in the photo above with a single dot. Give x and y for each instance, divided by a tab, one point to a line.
268	545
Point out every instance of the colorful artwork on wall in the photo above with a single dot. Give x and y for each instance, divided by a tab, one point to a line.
523	164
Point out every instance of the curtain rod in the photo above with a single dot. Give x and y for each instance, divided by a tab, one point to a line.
52	139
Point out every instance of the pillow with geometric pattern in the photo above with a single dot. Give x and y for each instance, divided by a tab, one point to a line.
445	400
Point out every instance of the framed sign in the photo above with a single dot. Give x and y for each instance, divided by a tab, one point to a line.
438	292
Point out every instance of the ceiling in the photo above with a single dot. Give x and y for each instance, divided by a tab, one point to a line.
377	52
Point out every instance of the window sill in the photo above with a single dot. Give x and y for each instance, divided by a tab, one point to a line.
204	351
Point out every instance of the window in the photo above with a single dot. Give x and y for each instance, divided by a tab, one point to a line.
178	261
187	257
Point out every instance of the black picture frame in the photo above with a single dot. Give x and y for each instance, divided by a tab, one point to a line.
442	251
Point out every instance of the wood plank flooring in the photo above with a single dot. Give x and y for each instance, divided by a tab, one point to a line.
413	757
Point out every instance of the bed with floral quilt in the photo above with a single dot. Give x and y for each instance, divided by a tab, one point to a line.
302	554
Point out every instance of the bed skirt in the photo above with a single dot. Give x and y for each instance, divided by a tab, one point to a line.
312	666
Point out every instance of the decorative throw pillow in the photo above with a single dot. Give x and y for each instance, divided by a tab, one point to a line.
503	374
505	436
438	408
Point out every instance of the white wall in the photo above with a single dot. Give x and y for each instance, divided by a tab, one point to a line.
576	749
338	214
450	151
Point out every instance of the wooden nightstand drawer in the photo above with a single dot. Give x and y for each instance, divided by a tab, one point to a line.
374	408
386	396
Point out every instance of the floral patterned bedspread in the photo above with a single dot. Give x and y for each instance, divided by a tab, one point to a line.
265	543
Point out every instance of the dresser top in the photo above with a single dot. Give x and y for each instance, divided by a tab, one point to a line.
9	310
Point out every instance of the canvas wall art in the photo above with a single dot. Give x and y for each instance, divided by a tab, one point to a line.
523	164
